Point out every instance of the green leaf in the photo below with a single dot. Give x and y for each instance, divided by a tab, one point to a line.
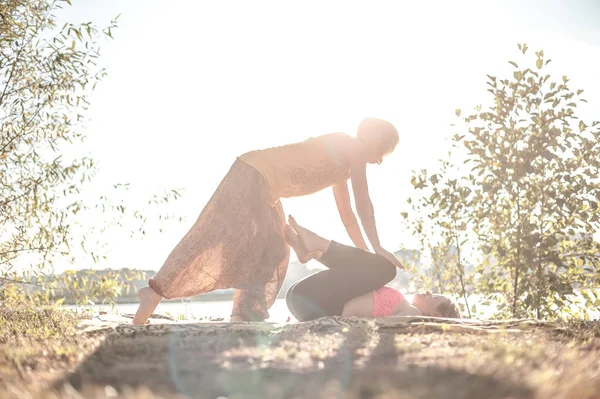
513	64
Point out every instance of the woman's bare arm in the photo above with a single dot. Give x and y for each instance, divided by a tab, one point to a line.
342	200
364	206
362	200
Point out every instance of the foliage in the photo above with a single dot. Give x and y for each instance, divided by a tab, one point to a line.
521	186
440	209
44	82
46	76
72	287
90	285
37	340
41	323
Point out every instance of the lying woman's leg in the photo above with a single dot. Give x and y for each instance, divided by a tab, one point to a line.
341	256
353	272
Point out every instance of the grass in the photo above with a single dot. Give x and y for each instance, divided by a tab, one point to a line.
41	351
36	344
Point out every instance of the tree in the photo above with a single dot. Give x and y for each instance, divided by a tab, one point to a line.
534	192
438	216
46	76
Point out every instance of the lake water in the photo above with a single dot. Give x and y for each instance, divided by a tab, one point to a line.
200	309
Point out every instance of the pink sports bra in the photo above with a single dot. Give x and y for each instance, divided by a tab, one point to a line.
385	300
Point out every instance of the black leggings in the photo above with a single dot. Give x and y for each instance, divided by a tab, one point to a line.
352	272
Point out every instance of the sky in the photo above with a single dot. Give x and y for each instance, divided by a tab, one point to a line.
193	84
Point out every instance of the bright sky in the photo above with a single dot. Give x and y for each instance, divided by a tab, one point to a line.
193	84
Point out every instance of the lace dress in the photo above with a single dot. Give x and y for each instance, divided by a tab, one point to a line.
238	239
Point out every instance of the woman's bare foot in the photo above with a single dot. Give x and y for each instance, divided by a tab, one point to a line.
310	241
149	300
292	238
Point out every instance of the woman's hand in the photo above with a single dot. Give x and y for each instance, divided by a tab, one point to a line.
390	257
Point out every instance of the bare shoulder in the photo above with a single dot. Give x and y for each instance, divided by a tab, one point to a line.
405	308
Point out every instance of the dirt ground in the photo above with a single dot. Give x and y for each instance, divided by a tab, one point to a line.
318	362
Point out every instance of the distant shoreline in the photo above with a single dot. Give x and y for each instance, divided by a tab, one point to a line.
133	299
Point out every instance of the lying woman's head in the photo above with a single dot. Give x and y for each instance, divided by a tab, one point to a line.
436	305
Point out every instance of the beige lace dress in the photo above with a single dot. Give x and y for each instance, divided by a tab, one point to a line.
238	239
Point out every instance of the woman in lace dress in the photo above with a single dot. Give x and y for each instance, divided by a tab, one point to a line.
239	241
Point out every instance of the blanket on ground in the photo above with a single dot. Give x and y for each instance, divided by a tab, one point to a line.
111	324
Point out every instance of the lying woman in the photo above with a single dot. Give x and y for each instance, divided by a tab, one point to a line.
353	284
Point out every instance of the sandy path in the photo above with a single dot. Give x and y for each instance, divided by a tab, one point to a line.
213	360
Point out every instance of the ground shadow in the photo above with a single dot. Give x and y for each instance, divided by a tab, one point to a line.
296	363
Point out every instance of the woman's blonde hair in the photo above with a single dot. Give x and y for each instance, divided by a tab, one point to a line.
379	133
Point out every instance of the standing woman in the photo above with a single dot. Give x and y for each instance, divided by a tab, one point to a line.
239	241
